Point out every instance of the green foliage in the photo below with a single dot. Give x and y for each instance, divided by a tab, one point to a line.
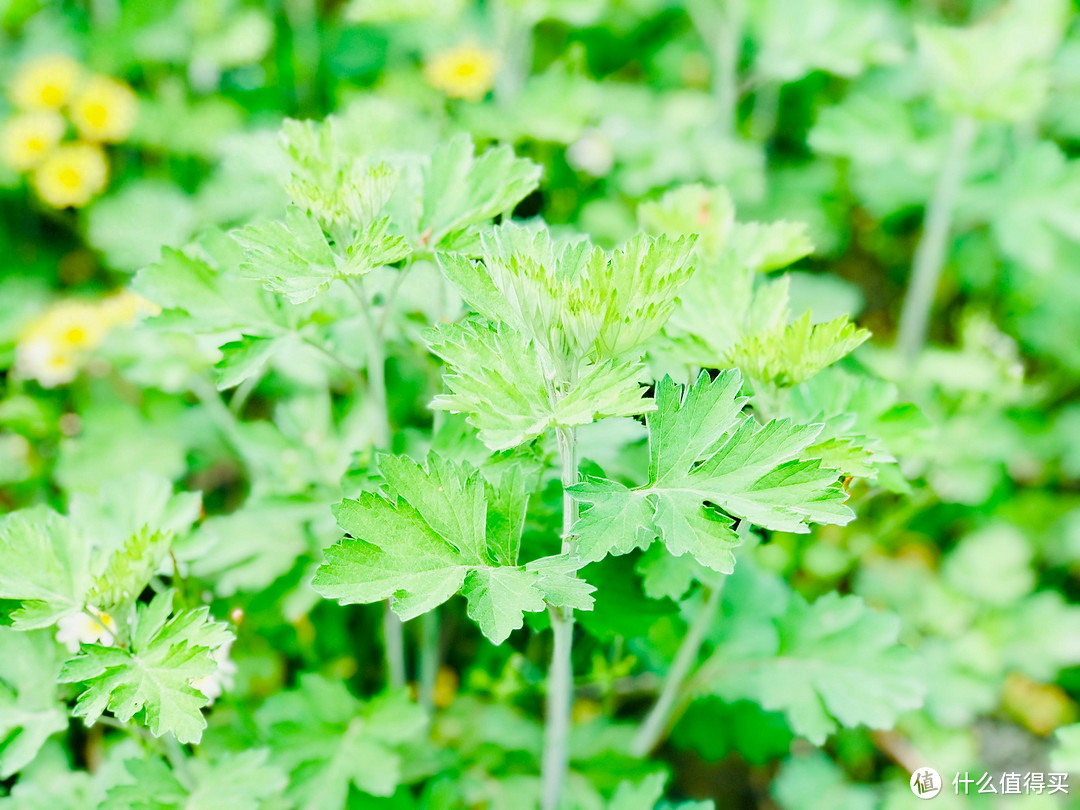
827	664
428	540
154	675
560	303
46	567
29	710
790	354
704	454
327	740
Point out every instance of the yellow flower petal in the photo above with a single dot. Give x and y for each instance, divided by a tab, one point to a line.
71	175
104	110
466	71
26	139
45	82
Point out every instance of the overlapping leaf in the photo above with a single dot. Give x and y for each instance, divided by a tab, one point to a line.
572	299
295	259
427	541
704	454
788	354
496	377
831	663
154	674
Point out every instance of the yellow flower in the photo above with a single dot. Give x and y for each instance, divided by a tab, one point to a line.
49	351
466	71
71	175
45	82
27	138
104	110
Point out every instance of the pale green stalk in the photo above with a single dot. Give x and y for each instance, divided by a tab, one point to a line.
555	762
429	658
393	628
720	25
656	723
930	253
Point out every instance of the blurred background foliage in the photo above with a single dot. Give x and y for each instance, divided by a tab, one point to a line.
133	126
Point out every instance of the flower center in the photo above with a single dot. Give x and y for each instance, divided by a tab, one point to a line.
52	95
75	336
465	70
96	114
69	178
35	144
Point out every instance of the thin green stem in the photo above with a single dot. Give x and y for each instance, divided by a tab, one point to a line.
394	647
721	28
656	723
393	629
430	654
930	253
354	375
555	762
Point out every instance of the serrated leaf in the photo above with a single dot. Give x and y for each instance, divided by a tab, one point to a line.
496	377
294	258
705	454
154	675
572	299
426	542
129	569
831	663
44	565
201	293
461	188
788	355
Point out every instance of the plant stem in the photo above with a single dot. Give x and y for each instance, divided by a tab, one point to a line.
394	647
654	727
555	762
393	629
726	42
930	253
514	36
429	657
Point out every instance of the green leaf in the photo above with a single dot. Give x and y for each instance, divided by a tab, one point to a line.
29	710
248	549
704	454
496	377
788	355
328	740
461	188
642	795
44	565
427	542
234	780
815	782
828	664
997	69
154	675
129	569
294	258
571	299
201	292
1066	756
243	359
